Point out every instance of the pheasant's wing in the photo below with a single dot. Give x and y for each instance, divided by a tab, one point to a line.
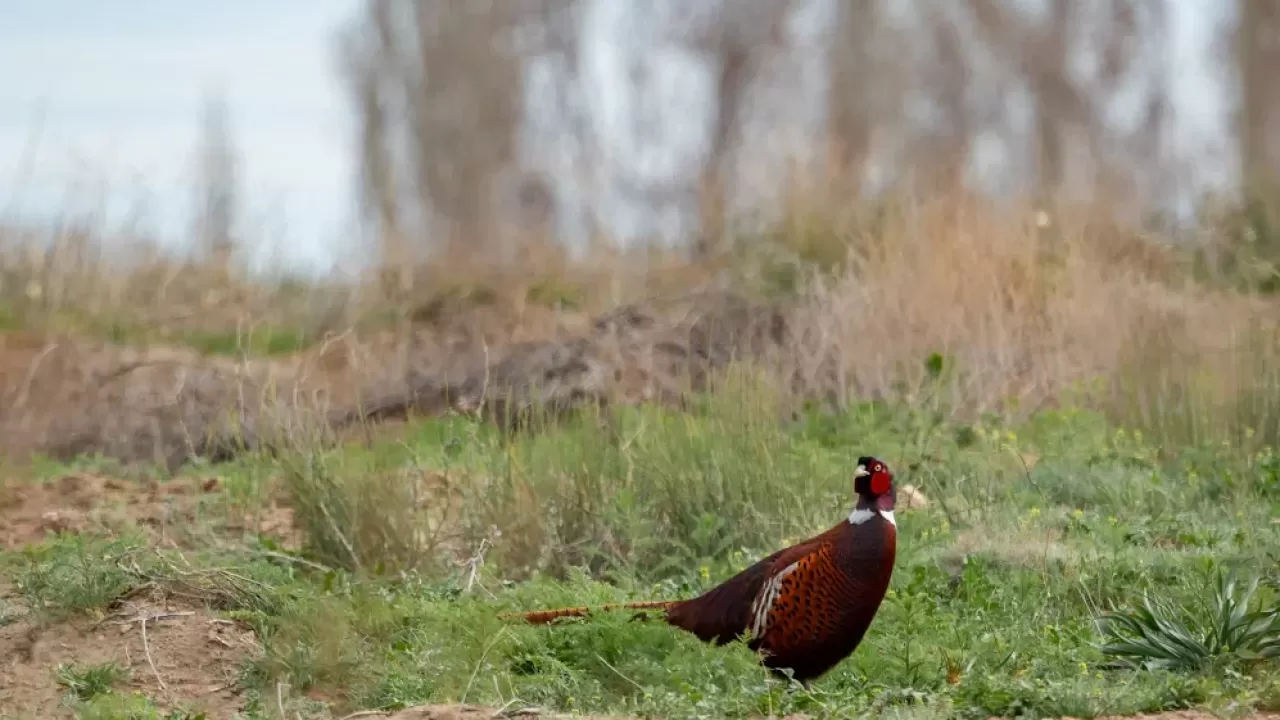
722	613
792	589
728	610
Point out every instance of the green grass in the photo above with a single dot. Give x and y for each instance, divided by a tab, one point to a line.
72	574
126	706
1033	534
257	341
86	683
92	695
261	342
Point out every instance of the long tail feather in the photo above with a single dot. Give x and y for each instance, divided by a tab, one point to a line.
542	617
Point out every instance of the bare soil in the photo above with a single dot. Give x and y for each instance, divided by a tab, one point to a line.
188	657
68	396
84	502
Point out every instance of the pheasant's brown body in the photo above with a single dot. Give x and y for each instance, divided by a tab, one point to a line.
806	607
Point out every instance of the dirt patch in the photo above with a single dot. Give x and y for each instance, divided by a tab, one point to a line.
67	396
194	655
82	502
656	352
189	657
476	712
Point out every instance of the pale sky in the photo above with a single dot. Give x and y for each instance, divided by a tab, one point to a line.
121	85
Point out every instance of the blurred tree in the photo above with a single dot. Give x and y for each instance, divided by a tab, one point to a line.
851	97
742	33
1257	42
1246	251
1122	45
1059	97
438	87
464	110
217	190
371	54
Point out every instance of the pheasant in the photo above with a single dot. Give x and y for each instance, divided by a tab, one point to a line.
804	608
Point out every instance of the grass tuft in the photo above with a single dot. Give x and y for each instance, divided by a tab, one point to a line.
73	574
86	683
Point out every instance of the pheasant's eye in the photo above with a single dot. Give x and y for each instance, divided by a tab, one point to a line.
879	480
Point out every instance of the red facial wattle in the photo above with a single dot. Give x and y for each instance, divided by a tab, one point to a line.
880	482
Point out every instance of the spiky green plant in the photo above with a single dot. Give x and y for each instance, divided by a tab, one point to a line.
1160	635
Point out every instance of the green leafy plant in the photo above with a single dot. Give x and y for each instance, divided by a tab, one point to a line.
1160	635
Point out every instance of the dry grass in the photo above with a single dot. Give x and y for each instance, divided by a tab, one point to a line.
1017	311
1023	314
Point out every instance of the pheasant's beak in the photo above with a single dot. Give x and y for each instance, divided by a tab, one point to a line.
860	471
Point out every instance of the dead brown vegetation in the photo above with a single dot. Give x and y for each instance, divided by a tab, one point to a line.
65	396
1023	313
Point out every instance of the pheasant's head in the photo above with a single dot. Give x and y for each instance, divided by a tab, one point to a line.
873	484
